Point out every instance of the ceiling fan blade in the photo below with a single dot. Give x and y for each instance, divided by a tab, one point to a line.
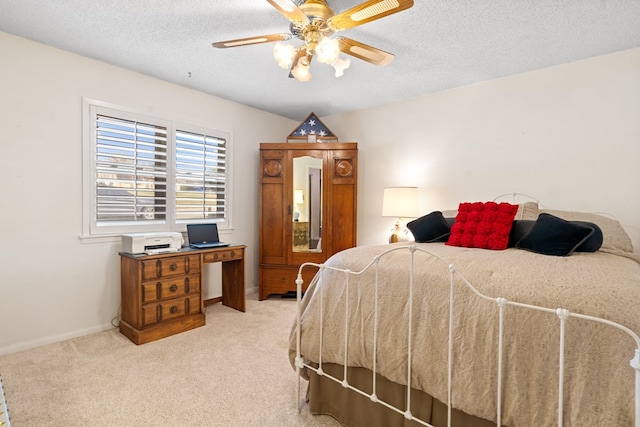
364	52
367	12
252	40
290	10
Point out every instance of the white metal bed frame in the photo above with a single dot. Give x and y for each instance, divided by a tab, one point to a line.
501	303
4	412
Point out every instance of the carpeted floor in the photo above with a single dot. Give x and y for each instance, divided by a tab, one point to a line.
232	372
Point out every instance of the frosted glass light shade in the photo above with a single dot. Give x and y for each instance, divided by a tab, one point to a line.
284	54
328	50
301	72
340	65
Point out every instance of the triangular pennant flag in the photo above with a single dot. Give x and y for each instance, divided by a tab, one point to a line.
313	130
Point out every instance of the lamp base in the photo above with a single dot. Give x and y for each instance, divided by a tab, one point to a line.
398	235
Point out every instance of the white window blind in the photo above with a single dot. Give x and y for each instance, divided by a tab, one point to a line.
130	171
201	176
148	173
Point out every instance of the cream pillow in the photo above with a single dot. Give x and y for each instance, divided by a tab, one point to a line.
527	210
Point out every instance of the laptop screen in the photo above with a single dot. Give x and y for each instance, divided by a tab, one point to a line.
202	233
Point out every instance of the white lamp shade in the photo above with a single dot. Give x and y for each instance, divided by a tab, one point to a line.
298	197
400	202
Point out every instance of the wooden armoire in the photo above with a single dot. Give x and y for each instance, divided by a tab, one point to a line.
308	209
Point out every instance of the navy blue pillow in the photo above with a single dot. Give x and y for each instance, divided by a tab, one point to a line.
519	229
551	235
430	228
594	241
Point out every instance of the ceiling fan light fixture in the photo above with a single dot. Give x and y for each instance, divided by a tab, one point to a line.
340	65
284	54
314	23
328	50
301	71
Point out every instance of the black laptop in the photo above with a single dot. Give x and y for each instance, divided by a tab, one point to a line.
203	236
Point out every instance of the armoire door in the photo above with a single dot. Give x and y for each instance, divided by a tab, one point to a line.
342	198
273	218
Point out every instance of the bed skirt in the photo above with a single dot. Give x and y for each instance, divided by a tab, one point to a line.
327	397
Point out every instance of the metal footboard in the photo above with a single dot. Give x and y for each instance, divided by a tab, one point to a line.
500	303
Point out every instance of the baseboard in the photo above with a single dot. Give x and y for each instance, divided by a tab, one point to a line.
26	345
252	290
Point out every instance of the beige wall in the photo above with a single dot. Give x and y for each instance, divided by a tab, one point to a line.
568	135
52	284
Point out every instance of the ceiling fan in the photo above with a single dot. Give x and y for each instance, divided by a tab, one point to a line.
315	23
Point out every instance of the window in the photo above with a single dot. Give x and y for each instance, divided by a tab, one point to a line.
150	174
200	176
131	170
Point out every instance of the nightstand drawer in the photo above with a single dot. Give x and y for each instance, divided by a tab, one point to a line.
158	268
170	288
170	309
226	255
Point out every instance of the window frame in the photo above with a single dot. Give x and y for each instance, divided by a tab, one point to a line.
90	229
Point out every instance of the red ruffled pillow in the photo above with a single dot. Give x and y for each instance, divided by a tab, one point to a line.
483	225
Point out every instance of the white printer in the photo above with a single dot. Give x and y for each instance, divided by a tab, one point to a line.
152	243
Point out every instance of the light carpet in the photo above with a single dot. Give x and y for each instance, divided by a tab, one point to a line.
232	372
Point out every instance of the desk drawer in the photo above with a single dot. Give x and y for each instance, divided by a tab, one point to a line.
170	309
223	255
170	288
174	265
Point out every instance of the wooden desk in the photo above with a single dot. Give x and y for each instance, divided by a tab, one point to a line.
161	295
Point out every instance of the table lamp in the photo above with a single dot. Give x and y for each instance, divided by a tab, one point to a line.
400	202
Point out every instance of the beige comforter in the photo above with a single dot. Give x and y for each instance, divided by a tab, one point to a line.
598	378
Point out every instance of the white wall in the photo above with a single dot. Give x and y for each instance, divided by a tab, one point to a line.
568	135
52	284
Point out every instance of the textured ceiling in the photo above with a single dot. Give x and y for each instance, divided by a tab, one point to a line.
438	44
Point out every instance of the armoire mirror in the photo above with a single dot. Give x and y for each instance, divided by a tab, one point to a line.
307	204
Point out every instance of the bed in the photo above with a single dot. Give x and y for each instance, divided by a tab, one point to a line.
509	337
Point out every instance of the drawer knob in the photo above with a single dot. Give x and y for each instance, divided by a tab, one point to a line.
173	288
173	267
173	309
